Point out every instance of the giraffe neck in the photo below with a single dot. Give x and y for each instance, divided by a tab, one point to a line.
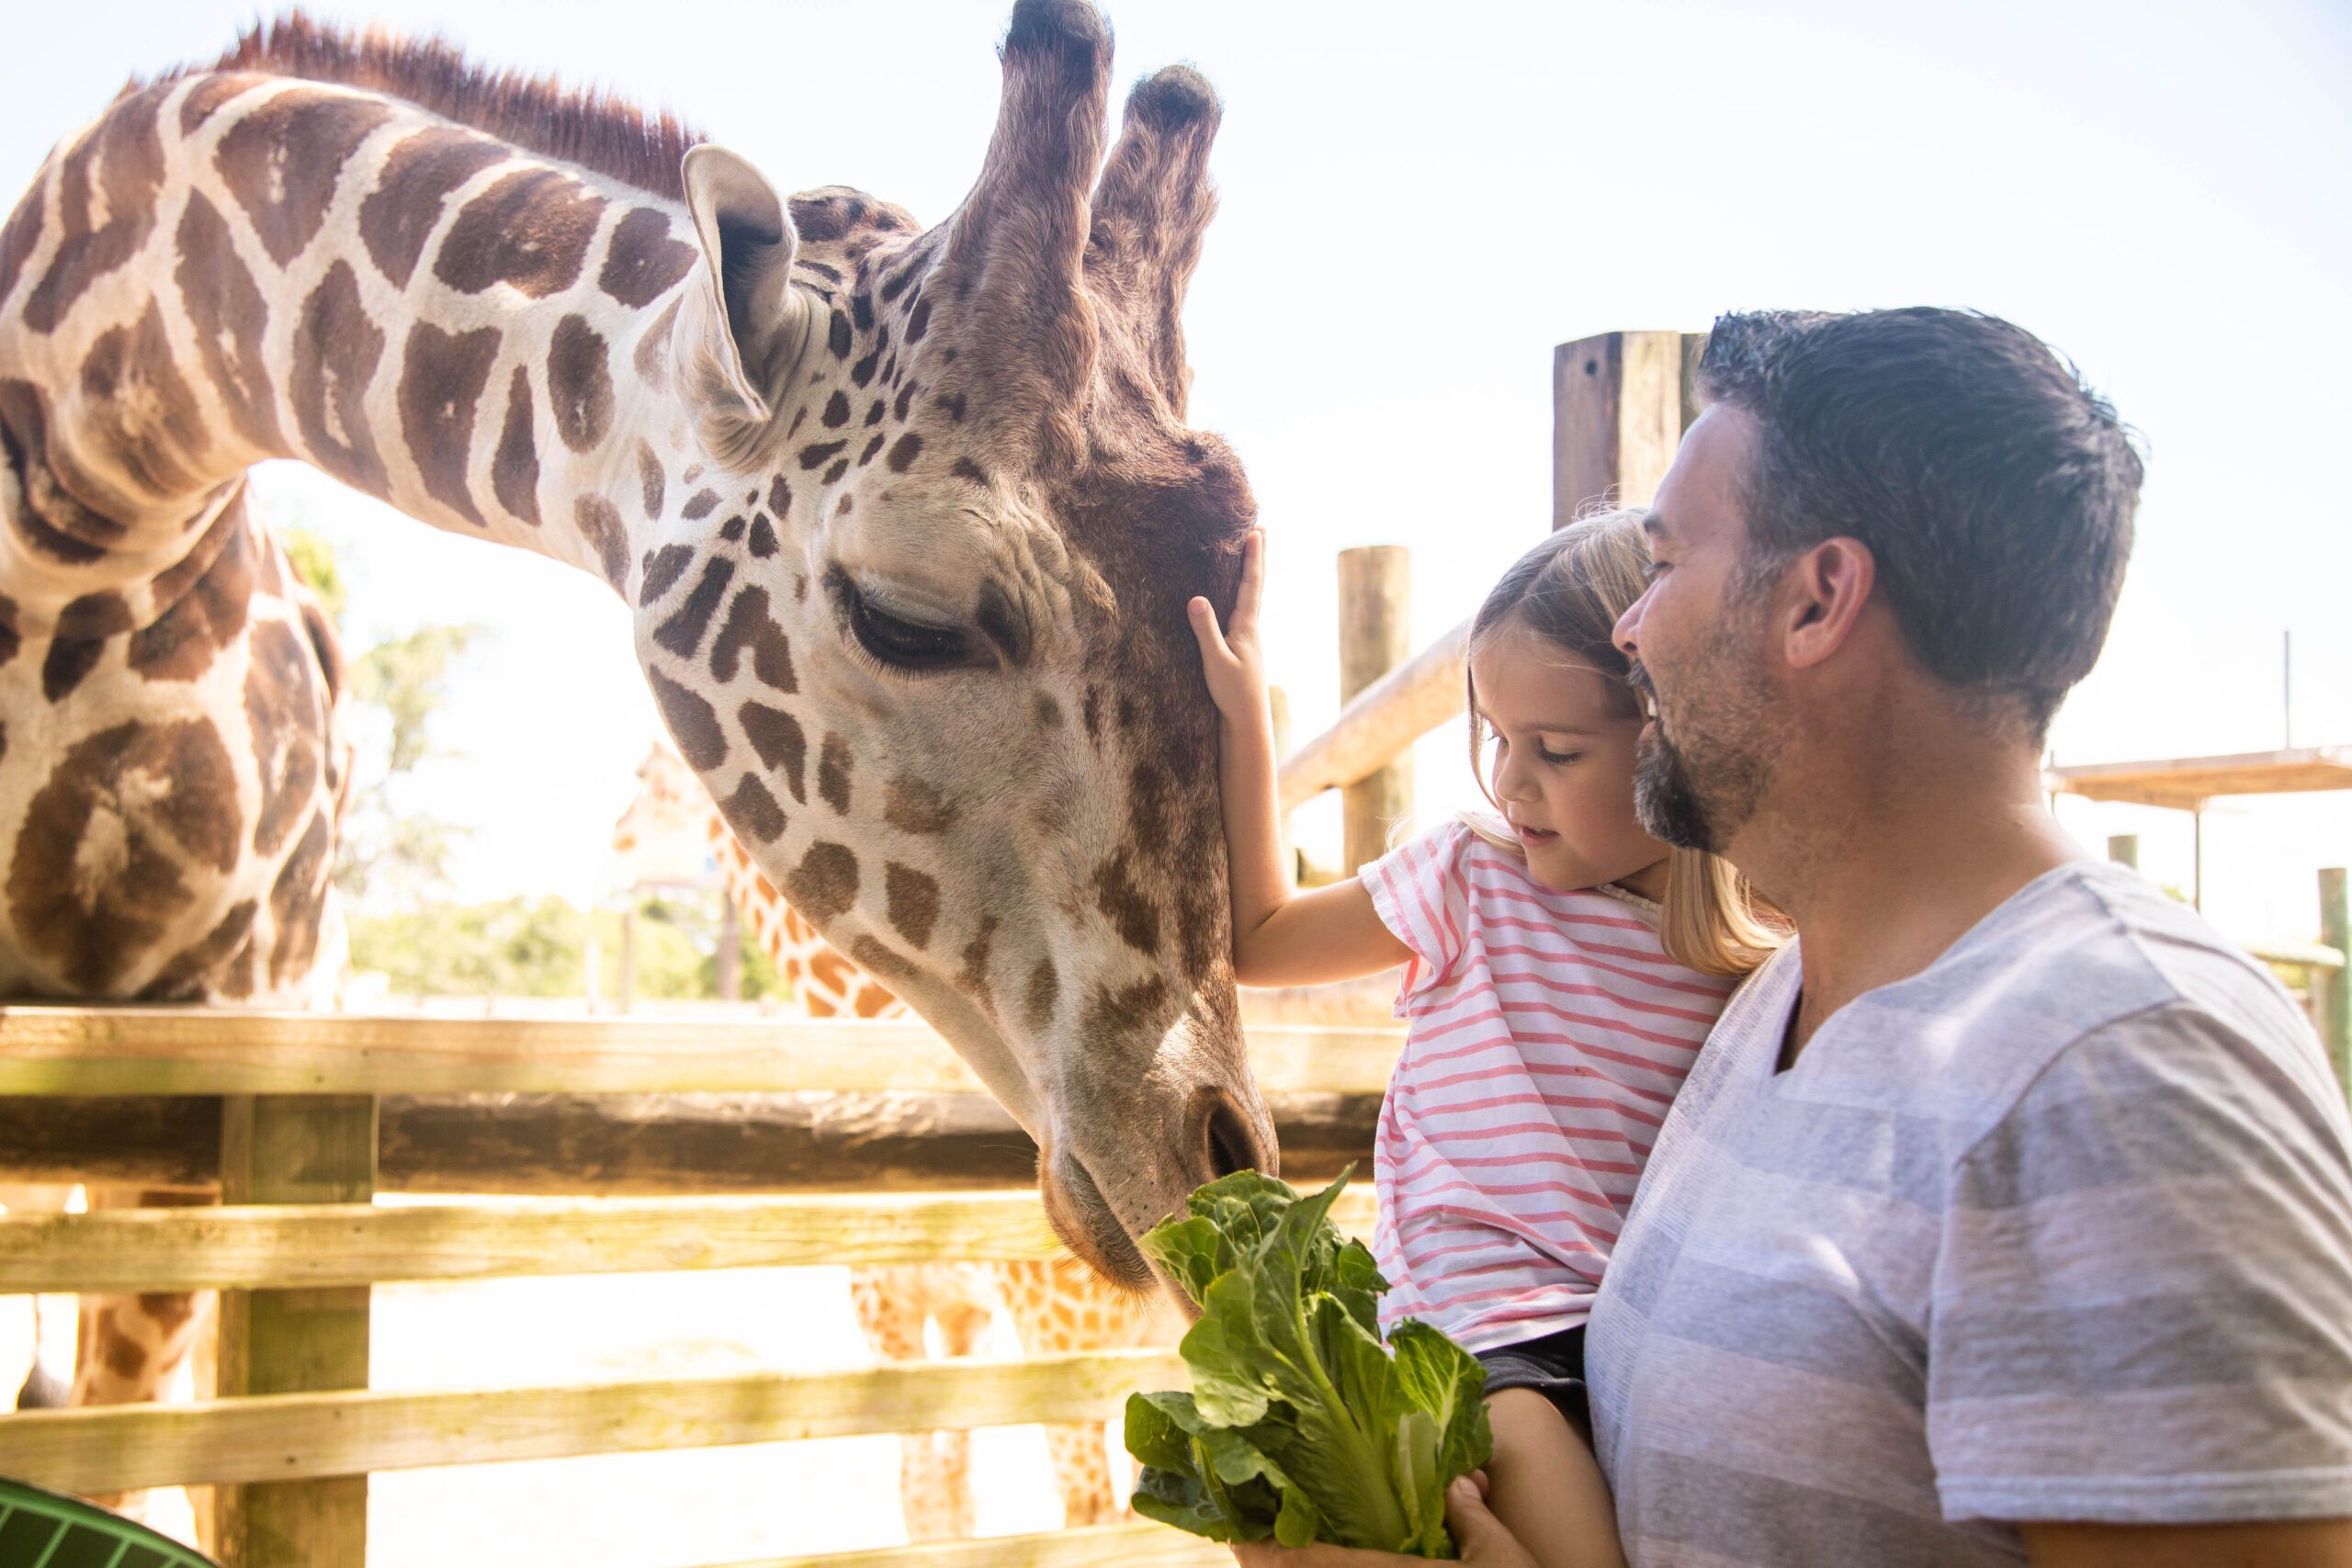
824	984
234	266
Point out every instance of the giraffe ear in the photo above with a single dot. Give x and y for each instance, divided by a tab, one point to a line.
752	324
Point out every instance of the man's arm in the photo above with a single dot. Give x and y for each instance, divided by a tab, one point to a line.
2276	1543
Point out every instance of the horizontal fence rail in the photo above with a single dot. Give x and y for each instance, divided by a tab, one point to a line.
1139	1545
149	1051
300	1436
311	1245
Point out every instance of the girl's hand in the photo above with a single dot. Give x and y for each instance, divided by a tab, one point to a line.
1480	1536
1231	659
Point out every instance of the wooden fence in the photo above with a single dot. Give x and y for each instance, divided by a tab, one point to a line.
299	1243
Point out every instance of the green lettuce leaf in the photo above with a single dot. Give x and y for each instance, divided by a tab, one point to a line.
1301	1425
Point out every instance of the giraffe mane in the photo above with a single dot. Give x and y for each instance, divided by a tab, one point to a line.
580	125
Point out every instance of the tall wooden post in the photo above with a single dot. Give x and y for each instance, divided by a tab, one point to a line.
1278	708
296	1149
1376	635
2332	989
1619	403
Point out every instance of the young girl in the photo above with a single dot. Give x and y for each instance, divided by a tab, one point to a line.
1563	969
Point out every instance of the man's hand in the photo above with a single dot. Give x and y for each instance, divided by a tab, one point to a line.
1477	1534
1231	659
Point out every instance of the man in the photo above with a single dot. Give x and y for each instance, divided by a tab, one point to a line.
2007	1214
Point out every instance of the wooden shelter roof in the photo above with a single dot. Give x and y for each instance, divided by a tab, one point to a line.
2187	783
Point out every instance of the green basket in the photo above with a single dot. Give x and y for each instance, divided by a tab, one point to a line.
42	1529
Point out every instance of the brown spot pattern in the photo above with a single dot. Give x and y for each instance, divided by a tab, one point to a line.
282	160
913	806
217	966
903	452
599	522
442	375
701	504
580	384
208	596
775	735
297	901
682	634
750	626
514	467
1129	909
336	350
288	722
825	881
913	899
651	479
418	176
151	797
833	772
662	572
531	231
692	723
652	356
139	412
227	310
752	812
643	261
124	157
762	540
1043	991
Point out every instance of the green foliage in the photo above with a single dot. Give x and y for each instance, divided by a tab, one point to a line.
1301	1425
390	848
516	947
315	563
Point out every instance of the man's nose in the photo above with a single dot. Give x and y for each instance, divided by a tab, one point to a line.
1627	633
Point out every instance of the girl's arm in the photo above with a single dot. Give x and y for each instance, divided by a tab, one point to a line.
1279	937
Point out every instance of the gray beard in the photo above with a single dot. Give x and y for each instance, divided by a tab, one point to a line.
1665	799
1676	808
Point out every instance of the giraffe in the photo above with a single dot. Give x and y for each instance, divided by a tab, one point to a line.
905	520
1054	1305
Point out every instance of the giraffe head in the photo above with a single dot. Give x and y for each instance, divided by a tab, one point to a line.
918	619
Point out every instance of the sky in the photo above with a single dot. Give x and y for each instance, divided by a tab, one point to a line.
1418	203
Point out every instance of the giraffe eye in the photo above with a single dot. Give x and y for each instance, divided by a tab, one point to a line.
893	640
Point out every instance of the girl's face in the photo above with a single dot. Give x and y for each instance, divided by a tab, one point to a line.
1561	764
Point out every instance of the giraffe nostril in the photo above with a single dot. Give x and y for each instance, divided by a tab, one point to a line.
1230	1146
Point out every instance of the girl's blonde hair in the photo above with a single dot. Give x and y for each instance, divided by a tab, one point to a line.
1570	590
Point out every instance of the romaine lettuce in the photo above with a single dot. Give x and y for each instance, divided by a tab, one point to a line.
1301	1424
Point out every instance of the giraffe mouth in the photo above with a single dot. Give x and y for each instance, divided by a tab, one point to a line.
1089	1226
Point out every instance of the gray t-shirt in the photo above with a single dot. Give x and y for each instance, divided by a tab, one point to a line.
2058	1228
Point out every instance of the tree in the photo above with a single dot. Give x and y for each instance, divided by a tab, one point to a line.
389	847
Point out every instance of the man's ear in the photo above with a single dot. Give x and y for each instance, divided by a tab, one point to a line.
1828	587
752	324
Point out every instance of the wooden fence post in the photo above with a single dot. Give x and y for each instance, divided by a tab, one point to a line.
1376	635
2332	989
2123	849
296	1149
1619	406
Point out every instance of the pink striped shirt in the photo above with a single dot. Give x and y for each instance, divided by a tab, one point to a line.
1547	1033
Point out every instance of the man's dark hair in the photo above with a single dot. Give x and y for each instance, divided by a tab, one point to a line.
1994	488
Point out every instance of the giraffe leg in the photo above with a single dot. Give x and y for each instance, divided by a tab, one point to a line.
934	1467
1057	1306
1083	1473
130	1347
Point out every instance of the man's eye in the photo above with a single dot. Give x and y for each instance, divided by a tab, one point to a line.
897	642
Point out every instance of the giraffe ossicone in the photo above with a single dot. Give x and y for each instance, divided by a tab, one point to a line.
906	519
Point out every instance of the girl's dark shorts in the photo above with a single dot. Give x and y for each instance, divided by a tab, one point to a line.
1551	1366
